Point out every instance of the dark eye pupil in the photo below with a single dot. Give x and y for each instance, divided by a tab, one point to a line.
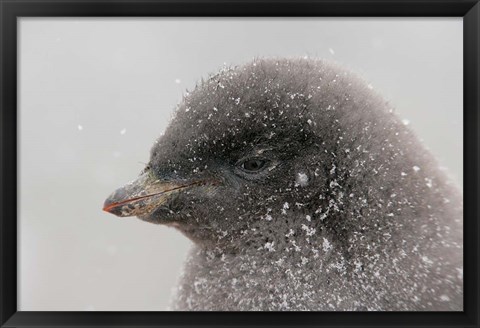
253	165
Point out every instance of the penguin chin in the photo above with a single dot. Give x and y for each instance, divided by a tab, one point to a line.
161	215
173	224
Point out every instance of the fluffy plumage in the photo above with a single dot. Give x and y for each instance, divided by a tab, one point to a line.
310	194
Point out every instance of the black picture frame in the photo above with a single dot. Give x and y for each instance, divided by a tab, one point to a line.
10	10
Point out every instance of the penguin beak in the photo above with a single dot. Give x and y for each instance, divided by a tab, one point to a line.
142	196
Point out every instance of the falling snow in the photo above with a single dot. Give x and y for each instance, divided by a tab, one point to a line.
302	179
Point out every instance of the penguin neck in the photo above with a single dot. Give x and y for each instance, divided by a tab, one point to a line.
291	246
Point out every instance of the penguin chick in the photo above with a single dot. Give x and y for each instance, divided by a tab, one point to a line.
301	190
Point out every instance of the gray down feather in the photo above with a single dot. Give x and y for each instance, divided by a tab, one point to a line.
315	196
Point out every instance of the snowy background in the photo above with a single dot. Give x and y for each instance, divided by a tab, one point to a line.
95	93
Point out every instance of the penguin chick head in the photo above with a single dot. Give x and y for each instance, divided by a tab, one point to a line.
246	148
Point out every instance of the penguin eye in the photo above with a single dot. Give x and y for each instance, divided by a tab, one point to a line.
253	165
253	168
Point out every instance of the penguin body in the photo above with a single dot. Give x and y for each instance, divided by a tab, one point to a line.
301	190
